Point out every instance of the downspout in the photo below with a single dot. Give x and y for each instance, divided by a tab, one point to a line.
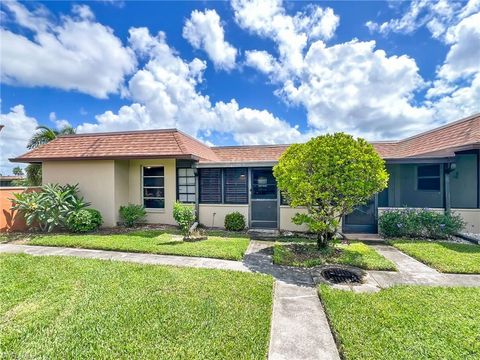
448	168
197	192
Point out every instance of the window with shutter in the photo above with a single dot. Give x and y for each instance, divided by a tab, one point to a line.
235	186
210	181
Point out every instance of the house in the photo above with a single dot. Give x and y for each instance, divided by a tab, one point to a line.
9	180
438	169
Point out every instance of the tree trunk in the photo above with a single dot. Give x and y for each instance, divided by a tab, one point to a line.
322	241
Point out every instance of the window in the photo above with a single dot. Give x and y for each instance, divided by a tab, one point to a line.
210	186
428	177
235	186
186	185
264	185
153	187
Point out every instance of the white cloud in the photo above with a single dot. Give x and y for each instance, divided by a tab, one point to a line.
355	88
59	123
17	131
164	95
73	53
268	18
317	23
351	86
436	15
261	60
463	58
203	30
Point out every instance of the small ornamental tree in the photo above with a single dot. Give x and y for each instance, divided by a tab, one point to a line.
329	175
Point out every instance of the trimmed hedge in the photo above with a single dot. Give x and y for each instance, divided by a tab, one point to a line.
235	221
419	223
84	220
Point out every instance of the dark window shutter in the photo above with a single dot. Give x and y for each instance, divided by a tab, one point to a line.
236	185
210	186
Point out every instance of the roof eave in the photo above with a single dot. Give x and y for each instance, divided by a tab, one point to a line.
117	157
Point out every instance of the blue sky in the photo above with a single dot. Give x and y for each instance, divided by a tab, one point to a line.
240	72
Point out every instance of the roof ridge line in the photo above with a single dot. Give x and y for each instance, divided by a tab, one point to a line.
465	119
127	132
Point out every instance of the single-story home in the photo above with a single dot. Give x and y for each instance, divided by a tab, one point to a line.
9	180
438	169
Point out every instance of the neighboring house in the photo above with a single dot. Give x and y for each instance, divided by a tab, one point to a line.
438	169
7	181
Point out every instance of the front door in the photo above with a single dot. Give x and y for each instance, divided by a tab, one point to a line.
362	220
263	199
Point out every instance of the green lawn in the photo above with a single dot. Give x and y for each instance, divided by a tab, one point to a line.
412	322
307	255
443	256
58	307
220	245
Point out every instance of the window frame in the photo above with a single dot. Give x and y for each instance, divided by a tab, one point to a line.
159	209
224	185
419	177
200	186
187	185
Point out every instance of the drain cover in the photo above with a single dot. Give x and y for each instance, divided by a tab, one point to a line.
340	276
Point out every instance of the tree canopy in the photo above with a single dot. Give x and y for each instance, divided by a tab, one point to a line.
329	175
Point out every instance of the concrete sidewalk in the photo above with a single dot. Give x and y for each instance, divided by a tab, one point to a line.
141	258
413	272
300	329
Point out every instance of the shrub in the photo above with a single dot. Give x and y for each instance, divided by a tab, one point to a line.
234	221
50	207
132	214
419	223
184	215
84	220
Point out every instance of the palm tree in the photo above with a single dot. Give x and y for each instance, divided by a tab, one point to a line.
41	137
45	135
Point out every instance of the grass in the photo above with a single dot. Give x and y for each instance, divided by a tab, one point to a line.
58	307
411	322
443	256
307	255
221	245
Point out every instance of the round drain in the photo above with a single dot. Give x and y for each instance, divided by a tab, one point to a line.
340	276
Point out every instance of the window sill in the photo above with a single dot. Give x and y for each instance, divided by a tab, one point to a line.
154	210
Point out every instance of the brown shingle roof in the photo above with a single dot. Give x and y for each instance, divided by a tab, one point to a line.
124	145
440	142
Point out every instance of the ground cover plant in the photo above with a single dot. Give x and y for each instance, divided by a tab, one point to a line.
409	322
444	256
153	241
64	308
307	254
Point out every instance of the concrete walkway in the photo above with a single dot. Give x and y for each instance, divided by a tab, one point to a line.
299	329
141	258
413	272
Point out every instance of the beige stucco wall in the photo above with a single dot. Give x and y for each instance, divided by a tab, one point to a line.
471	217
286	214
165	215
122	185
213	215
95	179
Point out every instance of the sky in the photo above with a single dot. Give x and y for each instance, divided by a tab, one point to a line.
240	72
